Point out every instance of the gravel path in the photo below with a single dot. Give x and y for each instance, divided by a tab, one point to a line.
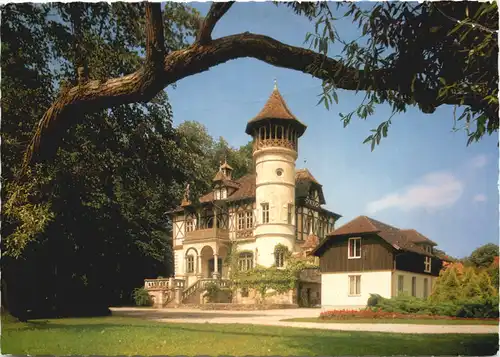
273	317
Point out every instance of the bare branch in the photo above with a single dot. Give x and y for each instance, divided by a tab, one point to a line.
217	10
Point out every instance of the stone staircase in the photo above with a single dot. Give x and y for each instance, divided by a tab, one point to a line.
171	292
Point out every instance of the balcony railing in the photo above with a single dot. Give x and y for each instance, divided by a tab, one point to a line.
209	233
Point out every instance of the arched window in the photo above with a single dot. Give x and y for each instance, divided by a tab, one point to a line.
245	261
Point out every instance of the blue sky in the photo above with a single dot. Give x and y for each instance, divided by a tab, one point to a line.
422	176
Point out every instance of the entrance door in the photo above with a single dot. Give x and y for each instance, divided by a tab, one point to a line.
211	266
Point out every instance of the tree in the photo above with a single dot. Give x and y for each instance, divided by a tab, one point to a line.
484	256
426	54
99	226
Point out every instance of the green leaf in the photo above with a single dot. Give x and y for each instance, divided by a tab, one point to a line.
335	97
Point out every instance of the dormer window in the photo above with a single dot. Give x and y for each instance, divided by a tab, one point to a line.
354	248
427	264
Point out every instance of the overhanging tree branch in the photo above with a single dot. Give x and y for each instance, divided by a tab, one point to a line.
145	83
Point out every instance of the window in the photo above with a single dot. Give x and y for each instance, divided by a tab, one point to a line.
401	280
354	248
289	213
427	265
413	286
189	225
245	220
279	172
241	220
249	216
265	212
245	261
279	258
190	264
354	285
426	288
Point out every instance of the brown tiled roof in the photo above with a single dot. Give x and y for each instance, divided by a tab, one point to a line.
417	237
275	108
305	175
245	187
362	225
219	176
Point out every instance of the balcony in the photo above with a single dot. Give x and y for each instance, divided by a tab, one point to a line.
207	234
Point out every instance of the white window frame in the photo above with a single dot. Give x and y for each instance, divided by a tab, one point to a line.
245	261
427	264
241	220
265	212
189	225
354	282
353	256
249	219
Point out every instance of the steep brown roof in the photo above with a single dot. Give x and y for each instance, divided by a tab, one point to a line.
219	176
305	175
245	188
362	225
417	237
275	108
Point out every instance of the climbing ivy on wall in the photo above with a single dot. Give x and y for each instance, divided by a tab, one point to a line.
263	279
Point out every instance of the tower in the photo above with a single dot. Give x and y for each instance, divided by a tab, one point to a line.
275	131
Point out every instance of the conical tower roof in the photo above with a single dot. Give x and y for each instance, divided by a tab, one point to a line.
275	109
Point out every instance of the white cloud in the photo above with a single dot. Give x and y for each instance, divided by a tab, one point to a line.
433	191
479	161
480	198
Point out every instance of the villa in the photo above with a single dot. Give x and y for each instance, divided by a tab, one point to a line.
280	206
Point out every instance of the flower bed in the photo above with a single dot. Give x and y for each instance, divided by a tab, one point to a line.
379	314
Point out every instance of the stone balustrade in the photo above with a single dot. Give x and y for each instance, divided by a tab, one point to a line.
164	284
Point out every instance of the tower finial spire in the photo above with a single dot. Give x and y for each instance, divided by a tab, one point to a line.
275	84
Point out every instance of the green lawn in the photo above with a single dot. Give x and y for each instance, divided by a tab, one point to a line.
396	321
132	336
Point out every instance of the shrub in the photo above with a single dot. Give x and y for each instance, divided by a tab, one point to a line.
142	297
373	300
378	314
478	307
212	289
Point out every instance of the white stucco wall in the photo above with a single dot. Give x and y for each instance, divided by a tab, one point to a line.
335	289
407	283
279	192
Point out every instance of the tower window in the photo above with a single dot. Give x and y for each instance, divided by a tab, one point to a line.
289	213
279	259
279	172
265	212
